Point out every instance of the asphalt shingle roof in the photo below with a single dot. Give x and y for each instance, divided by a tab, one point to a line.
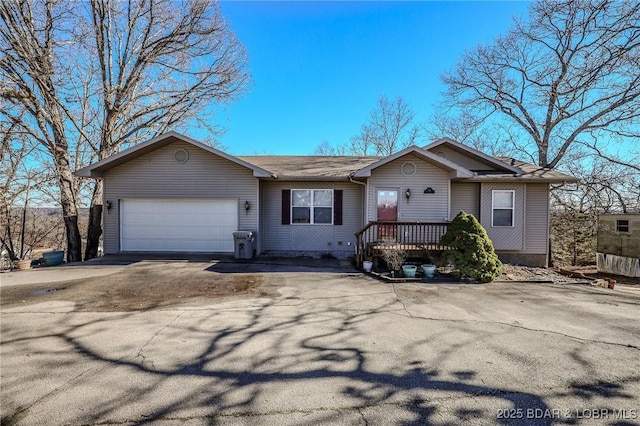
306	166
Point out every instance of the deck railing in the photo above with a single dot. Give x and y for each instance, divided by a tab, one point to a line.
407	236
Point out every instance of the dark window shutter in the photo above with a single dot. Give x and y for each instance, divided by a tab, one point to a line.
337	207
286	206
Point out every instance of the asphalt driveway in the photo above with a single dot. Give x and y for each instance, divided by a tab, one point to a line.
327	346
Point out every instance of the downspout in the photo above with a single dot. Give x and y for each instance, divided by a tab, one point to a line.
258	213
366	205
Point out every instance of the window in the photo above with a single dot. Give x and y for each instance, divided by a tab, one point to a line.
622	225
312	206
502	208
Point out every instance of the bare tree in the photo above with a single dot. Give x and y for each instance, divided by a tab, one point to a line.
30	83
23	226
603	187
325	148
572	69
494	138
389	129
93	76
562	90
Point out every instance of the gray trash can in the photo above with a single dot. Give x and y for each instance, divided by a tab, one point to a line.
244	244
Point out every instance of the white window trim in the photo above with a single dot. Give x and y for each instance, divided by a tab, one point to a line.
628	231
513	207
311	222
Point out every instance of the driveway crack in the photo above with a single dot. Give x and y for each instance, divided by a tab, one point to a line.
580	339
364	419
20	413
142	348
393	286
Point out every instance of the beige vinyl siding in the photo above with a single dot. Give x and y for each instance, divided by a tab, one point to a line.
531	207
461	159
504	237
305	237
156	175
465	196
420	207
537	218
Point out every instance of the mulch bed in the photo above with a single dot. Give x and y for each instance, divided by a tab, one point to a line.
438	278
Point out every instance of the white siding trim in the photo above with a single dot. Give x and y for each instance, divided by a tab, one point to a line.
513	207
524	215
449	201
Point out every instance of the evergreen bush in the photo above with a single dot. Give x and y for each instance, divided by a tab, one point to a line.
472	251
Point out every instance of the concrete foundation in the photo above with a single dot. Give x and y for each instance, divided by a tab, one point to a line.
526	259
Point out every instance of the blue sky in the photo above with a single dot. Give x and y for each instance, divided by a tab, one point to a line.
319	67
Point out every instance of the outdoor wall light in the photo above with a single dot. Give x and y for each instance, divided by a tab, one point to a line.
108	205
407	194
247	206
429	191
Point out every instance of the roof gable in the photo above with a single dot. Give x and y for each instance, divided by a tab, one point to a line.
456	170
98	168
474	154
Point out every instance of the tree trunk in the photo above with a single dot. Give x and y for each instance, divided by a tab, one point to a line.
94	228
69	209
74	242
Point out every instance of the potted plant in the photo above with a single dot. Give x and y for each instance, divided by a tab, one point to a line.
409	271
53	258
428	269
367	265
22	264
20	257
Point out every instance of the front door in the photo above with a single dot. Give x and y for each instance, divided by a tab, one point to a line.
387	207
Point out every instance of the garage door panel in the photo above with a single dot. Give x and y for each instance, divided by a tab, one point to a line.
178	225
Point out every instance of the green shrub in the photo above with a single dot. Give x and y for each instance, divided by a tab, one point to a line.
473	255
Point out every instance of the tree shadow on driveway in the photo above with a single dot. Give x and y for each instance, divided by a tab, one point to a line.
285	359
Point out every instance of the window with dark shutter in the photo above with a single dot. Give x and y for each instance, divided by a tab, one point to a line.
311	207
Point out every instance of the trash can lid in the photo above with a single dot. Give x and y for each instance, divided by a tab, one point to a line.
243	234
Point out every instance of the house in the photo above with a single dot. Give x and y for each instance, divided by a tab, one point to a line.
618	249
175	194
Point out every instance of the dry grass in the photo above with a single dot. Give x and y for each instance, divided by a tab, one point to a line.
137	288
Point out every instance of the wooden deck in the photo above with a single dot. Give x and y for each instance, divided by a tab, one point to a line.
416	239
423	251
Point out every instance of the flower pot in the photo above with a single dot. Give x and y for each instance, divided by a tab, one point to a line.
23	264
53	258
409	271
428	270
367	265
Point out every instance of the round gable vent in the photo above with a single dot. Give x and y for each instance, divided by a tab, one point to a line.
408	168
181	155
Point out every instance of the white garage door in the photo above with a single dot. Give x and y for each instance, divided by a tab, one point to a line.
178	225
